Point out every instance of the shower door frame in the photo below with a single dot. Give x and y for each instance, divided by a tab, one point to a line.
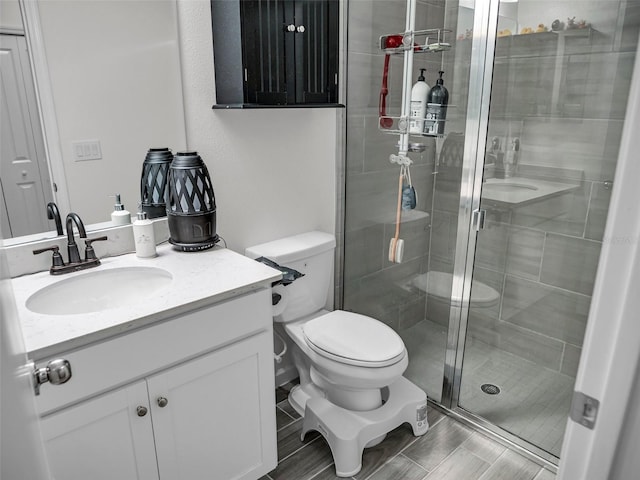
476	131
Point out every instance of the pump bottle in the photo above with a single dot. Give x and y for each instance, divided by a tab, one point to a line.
437	102
144	237
120	216
419	94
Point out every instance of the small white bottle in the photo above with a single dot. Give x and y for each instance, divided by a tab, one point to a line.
144	237
120	216
419	94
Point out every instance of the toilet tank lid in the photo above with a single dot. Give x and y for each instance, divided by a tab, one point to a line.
296	247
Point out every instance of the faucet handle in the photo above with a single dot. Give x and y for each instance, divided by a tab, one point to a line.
89	252
56	258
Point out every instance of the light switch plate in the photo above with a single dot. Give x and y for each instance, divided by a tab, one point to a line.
86	150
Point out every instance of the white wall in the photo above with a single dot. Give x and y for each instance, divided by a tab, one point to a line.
115	76
273	170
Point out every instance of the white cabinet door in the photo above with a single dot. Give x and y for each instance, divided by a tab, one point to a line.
103	439
218	422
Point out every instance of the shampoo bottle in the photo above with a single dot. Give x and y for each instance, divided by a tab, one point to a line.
120	216
419	94
143	236
437	102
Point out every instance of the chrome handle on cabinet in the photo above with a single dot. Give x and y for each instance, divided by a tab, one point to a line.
56	372
300	29
162	402
291	28
141	411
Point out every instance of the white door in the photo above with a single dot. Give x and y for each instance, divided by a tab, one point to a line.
106	438
23	167
205	430
21	449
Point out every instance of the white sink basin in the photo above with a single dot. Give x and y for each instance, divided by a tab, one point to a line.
99	290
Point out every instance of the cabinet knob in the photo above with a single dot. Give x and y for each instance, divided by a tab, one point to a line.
291	28
141	411
300	29
162	402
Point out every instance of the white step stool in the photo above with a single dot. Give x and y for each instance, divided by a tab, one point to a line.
348	432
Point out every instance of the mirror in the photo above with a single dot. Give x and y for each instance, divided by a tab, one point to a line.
108	82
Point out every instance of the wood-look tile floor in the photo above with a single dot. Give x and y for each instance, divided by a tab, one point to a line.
449	451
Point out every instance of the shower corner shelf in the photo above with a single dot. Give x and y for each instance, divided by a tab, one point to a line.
400	125
421	41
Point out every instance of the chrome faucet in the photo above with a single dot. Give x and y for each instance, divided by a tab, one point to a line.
54	214
75	262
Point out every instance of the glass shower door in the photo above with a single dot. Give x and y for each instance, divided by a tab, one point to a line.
557	105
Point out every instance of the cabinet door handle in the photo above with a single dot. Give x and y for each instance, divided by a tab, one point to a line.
162	402
300	29
291	28
141	411
56	372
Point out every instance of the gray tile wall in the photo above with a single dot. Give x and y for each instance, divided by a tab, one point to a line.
373	285
541	258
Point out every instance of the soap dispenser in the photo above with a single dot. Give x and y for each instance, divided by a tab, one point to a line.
419	94
437	102
143	236
120	216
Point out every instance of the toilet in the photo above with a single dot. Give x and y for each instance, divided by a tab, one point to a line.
350	366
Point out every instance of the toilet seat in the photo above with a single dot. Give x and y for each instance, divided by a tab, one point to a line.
353	339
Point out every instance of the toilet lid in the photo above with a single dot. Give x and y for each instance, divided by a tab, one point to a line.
353	339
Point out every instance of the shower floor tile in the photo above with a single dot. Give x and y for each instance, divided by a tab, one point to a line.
533	402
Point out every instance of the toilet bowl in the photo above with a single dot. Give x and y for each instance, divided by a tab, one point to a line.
350	366
438	285
351	358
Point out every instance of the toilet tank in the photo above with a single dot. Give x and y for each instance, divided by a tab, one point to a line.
309	253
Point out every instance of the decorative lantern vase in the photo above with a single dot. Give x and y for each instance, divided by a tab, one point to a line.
153	182
191	205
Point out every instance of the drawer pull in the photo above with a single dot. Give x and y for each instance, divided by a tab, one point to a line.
162	402
141	411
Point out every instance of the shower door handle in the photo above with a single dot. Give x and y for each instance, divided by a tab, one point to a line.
477	219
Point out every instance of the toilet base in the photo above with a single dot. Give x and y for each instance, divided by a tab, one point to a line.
348	432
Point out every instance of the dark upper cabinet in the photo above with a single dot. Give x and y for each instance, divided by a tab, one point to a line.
275	52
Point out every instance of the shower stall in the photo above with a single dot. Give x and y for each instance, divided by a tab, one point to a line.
500	252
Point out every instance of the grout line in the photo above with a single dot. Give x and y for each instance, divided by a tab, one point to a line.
426	471
297	450
331	465
283	411
445	459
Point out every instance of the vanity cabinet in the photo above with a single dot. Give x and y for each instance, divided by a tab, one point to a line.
191	398
275	52
102	438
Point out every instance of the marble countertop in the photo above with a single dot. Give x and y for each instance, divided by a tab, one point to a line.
518	191
199	279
